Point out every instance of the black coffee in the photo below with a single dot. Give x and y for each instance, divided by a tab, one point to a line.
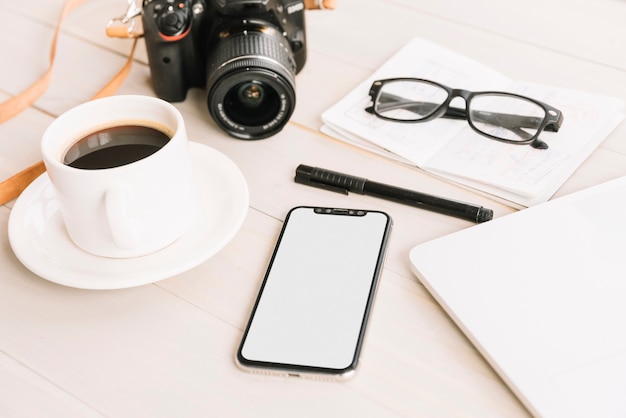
114	147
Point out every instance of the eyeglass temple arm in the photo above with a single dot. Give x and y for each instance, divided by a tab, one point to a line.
456	113
459	113
505	120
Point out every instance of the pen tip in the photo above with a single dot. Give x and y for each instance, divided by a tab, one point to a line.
484	215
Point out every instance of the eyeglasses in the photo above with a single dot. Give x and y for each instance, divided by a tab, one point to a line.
505	117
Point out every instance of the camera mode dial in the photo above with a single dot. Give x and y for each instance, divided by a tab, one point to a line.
173	18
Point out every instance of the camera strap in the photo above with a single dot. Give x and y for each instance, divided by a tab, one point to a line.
319	4
21	101
125	26
13	186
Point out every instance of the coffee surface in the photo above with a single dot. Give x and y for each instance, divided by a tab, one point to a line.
114	147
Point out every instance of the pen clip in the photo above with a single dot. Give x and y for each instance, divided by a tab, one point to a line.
303	176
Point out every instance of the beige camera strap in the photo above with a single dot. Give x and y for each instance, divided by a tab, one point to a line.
319	4
13	186
28	96
24	99
122	27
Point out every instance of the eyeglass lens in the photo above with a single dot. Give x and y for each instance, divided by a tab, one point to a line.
408	100
495	114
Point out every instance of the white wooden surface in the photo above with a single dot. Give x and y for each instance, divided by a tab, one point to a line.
167	349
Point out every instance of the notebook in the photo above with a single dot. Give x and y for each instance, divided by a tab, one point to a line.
541	293
521	176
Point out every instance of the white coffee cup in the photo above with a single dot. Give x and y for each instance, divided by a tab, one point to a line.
128	210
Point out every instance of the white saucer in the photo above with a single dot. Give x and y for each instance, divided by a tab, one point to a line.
40	241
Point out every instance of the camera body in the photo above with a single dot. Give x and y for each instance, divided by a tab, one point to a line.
245	52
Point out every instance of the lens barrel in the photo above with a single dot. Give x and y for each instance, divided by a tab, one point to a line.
251	81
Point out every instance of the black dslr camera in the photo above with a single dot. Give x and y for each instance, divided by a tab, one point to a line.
245	52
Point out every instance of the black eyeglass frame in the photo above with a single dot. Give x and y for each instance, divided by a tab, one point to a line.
552	120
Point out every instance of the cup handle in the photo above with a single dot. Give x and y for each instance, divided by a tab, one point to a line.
123	229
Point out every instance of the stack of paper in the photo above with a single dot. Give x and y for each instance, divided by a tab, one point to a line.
519	174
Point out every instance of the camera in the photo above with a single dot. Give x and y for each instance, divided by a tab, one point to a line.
246	54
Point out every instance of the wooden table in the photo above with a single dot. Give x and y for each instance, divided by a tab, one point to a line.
167	349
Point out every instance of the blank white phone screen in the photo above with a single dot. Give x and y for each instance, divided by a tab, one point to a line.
316	293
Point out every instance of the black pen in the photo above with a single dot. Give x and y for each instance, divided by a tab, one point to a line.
344	183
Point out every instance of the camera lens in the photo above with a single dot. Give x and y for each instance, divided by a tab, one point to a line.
251	75
252	103
251	94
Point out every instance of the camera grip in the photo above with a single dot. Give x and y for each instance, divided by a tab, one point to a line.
171	53
166	69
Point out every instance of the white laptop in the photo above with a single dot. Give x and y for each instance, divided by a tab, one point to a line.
542	294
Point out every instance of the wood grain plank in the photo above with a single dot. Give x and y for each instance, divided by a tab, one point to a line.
167	349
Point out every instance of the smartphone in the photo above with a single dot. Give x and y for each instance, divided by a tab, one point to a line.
311	313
